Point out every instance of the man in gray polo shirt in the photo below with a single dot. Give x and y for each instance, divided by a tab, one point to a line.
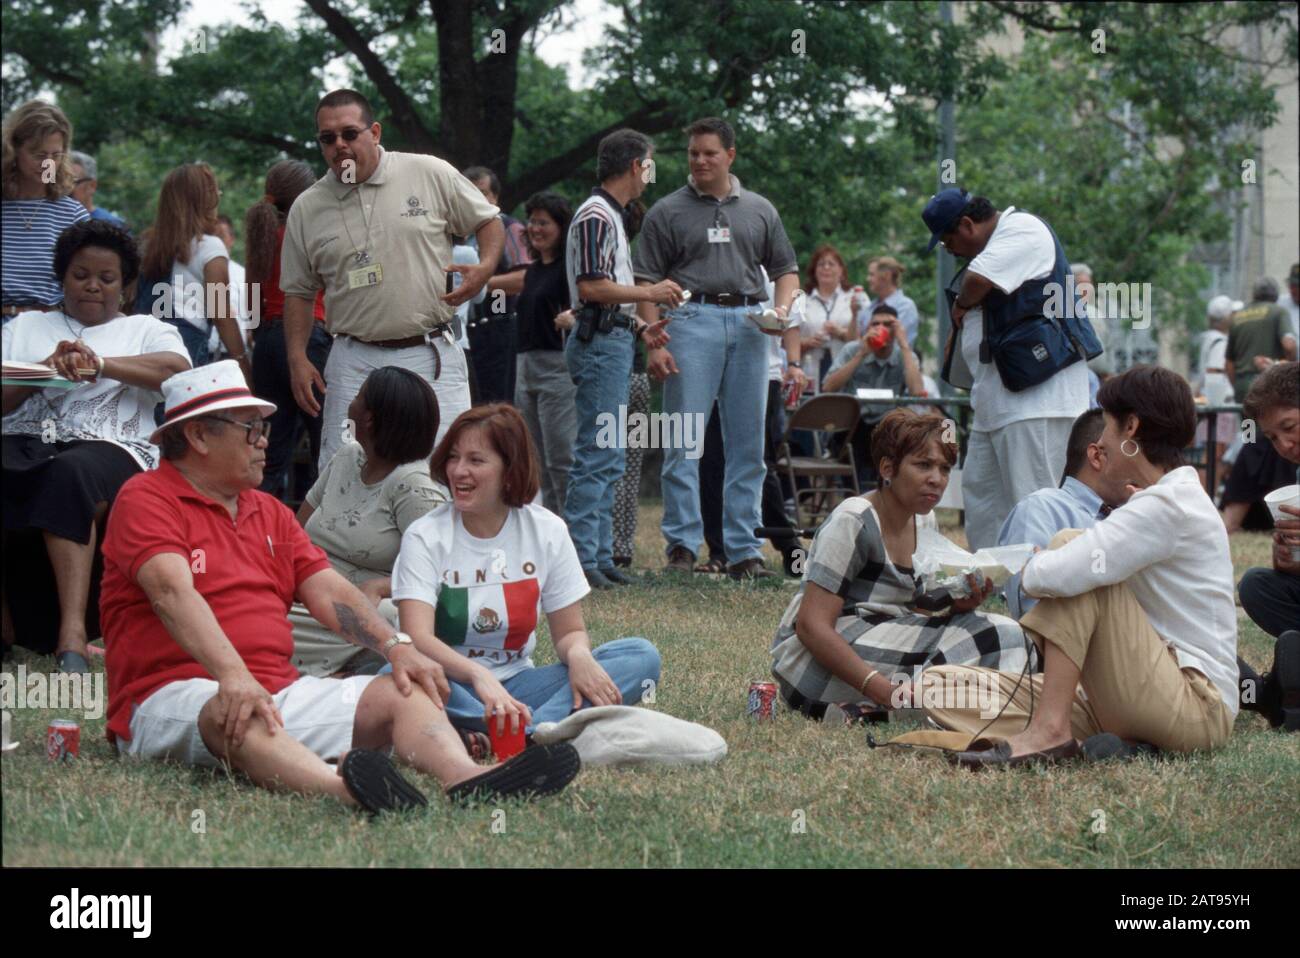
375	233
711	237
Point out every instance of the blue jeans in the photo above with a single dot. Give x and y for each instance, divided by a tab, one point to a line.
631	663
720	356
601	370
195	340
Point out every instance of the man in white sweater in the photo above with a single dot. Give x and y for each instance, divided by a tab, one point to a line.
1137	620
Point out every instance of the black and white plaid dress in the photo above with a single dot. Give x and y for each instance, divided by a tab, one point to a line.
848	558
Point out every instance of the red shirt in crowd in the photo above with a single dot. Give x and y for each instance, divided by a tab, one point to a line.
273	296
247	570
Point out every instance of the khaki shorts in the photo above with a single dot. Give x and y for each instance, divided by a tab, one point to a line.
317	712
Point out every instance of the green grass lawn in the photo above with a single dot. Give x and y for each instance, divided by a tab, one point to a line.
1235	807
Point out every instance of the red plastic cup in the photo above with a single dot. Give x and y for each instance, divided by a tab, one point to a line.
878	337
506	744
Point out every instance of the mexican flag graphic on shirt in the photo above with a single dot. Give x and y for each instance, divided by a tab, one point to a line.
488	619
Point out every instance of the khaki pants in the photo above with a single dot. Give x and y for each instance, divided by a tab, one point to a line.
1129	683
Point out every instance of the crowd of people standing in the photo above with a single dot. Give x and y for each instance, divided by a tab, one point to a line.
453	368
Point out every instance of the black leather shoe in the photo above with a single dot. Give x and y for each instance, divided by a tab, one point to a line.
596	579
1107	745
615	576
1286	676
999	754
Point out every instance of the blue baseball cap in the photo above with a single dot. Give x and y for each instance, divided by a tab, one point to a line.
943	211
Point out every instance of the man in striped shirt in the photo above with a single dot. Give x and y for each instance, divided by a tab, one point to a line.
599	351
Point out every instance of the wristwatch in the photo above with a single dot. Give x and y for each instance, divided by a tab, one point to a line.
399	638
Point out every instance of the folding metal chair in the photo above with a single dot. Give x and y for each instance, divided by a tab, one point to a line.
837	415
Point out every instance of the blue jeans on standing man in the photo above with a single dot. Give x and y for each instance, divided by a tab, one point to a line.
600	369
721	355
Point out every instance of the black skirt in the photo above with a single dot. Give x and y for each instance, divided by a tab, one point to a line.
53	487
56	486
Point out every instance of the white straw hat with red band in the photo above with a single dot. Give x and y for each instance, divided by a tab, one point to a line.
205	390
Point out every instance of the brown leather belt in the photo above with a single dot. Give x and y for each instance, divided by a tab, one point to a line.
410	341
406	343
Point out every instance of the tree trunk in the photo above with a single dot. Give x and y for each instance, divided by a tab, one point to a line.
459	99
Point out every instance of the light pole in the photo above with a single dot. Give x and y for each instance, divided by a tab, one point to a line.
944	267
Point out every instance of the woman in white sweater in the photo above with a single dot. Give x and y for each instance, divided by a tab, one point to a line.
1137	622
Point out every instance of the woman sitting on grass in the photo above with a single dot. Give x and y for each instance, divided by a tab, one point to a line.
852	628
361	504
1137	623
67	451
473	573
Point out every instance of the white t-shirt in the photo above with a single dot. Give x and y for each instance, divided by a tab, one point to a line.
776	358
108	410
1019	250
1215	386
486	593
189	295
242	312
465	255
1168	542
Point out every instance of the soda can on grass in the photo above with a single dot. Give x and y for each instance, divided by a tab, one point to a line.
62	740
762	700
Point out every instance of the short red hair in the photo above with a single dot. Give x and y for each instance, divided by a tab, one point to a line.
508	435
826	249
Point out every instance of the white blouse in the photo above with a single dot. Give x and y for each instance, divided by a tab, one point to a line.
1168	542
107	410
836	310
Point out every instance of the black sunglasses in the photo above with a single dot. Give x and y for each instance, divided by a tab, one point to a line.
329	136
256	429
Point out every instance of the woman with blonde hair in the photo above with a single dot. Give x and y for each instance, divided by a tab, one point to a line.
37	181
185	250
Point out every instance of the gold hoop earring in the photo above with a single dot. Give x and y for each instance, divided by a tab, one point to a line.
1136	448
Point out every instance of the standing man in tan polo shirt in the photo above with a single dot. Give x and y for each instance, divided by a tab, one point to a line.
375	233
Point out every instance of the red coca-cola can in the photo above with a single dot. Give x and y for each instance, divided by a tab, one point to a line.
62	740
790	392
762	700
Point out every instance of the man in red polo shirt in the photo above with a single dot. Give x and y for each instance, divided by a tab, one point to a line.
199	572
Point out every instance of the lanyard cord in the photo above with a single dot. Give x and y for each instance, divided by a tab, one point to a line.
362	255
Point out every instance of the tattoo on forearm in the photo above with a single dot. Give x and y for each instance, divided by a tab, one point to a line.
354	630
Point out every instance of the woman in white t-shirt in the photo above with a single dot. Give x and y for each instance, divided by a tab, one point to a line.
473	574
828	312
67	451
194	265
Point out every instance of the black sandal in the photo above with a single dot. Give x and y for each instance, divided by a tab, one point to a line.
536	771
715	566
374	781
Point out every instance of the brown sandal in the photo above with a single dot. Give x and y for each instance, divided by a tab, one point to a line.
715	566
477	744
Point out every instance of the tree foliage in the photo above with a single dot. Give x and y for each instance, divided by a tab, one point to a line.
1128	152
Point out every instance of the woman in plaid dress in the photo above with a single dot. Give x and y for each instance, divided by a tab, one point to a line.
851	635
